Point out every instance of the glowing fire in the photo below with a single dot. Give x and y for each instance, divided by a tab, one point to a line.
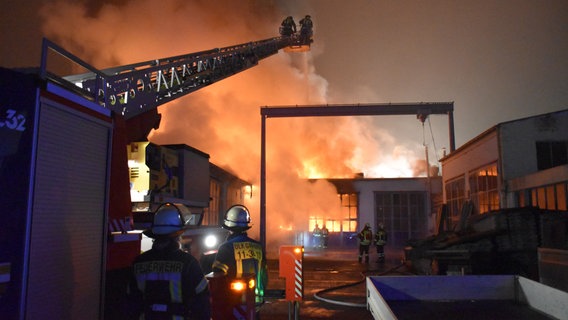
389	169
311	170
286	228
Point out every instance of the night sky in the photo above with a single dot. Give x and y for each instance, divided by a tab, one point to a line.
497	60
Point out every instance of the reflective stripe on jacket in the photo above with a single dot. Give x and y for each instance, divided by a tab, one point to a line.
170	283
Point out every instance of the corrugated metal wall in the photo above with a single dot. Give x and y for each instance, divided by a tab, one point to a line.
68	215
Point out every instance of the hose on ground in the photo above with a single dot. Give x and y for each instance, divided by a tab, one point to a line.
318	295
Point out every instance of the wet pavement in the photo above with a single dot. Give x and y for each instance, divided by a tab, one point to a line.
334	286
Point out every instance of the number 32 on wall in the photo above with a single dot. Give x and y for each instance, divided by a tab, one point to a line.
13	121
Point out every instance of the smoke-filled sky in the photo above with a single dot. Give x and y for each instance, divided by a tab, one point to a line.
496	60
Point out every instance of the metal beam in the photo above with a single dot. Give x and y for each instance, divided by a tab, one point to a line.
424	108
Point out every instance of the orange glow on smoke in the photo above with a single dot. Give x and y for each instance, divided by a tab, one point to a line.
223	119
311	171
287	228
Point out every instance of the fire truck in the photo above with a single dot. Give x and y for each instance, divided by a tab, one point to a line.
67	237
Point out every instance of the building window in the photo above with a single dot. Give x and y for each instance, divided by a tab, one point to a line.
522	198
333	225
551	154
316	220
348	204
403	214
561	197
455	197
550	197
349	226
483	188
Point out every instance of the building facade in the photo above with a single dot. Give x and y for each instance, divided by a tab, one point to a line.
517	163
225	190
406	207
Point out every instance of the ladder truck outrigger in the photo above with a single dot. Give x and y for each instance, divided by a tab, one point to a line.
67	239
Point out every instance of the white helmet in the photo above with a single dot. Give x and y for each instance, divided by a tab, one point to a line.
237	218
168	222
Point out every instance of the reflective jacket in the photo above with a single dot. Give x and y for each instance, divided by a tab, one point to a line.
365	236
242	255
168	283
381	237
317	232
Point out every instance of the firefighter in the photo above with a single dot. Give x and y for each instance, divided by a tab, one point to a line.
380	242
316	234
168	282
240	254
324	236
306	26
365	238
288	26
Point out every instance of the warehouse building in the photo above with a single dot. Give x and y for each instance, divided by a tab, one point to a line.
513	164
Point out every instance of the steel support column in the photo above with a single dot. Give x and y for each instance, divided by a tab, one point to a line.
263	182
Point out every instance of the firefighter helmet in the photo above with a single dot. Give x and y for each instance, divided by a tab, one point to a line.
168	222
237	218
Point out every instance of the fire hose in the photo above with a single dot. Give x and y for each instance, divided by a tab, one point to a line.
318	295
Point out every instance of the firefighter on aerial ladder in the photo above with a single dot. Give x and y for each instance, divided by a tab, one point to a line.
306	26
240	254
166	266
288	27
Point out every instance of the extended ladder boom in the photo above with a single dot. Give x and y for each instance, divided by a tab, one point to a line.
134	89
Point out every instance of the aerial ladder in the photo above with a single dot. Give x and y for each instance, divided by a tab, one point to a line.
120	102
137	88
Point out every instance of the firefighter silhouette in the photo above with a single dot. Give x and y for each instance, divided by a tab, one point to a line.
380	242
240	254
365	239
306	26
288	27
166	266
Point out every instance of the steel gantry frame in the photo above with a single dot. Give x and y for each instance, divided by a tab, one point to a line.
421	110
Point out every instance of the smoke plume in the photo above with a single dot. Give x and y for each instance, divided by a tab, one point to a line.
223	119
